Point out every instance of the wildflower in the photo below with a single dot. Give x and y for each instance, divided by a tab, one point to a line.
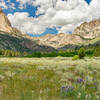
95	84
80	80
97	97
88	96
62	87
67	88
9	74
1	77
79	94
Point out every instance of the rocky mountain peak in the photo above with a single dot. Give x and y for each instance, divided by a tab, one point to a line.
5	24
84	33
88	30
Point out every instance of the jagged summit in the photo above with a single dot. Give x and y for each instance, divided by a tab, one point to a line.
5	24
59	40
6	27
86	32
13	39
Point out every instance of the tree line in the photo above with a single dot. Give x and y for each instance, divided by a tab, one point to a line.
95	51
11	53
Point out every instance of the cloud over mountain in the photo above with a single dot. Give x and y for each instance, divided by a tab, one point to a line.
65	15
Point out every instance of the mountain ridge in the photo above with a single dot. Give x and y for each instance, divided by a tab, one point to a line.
85	33
13	39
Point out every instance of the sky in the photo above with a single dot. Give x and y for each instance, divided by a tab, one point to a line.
40	17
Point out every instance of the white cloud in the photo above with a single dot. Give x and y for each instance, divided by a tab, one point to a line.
95	6
3	4
8	5
24	2
25	23
56	13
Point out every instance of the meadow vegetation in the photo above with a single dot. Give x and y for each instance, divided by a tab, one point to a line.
67	53
58	78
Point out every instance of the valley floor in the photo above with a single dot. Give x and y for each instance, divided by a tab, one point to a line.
49	79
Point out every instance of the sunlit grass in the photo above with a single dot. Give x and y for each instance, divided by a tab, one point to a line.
49	79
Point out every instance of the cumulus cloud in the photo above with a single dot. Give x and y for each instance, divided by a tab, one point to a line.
25	23
9	4
95	8
65	15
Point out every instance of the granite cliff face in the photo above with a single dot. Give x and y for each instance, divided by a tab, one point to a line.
5	25
88	30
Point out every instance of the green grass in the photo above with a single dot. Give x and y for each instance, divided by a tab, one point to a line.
49	79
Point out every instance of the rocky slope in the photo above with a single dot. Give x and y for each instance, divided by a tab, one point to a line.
5	25
85	33
21	44
13	39
59	40
89	30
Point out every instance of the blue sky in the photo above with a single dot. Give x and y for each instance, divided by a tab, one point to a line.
27	7
88	1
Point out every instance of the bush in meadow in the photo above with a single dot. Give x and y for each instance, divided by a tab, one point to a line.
76	57
81	53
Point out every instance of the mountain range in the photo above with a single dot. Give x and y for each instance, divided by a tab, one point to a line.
85	33
11	38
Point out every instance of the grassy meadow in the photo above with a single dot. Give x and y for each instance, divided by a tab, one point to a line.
58	78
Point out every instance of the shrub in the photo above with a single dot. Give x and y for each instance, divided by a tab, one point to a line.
76	57
97	52
81	53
